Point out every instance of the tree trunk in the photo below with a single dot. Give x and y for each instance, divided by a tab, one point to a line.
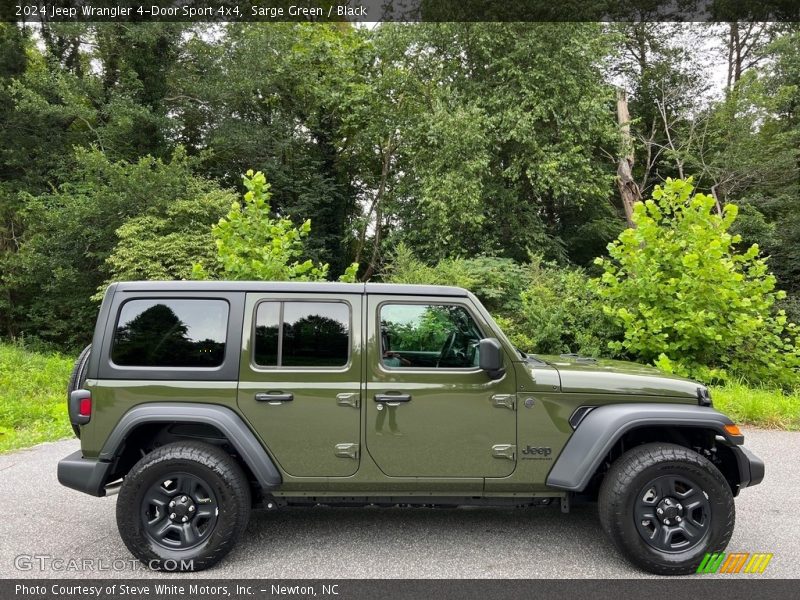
628	188
716	199
733	34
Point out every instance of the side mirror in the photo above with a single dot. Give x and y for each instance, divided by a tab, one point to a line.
491	357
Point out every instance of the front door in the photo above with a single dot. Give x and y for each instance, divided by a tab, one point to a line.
430	410
300	380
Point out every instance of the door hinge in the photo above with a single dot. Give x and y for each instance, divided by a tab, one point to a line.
504	400
348	399
508	451
346	451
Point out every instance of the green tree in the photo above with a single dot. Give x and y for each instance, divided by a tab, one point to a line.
167	245
689	301
559	312
276	99
504	154
253	245
660	65
71	233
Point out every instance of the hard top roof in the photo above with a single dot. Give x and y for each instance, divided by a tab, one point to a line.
289	287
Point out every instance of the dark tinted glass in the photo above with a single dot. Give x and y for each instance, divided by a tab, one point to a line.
171	333
314	334
266	345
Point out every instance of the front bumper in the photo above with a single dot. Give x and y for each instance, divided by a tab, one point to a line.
87	475
751	468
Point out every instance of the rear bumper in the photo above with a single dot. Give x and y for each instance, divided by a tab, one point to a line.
86	475
751	468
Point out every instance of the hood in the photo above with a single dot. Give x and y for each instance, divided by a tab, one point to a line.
603	376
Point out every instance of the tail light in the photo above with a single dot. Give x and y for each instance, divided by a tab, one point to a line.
85	407
80	407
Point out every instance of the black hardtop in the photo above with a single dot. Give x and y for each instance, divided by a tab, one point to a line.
326	287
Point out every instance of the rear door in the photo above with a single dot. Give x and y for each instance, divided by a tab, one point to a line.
300	380
430	410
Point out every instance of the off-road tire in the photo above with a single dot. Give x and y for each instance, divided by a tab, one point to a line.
213	466
626	480
78	377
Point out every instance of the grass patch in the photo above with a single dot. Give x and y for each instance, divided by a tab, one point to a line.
33	397
761	407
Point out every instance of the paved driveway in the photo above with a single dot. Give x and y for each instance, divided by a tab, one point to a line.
42	518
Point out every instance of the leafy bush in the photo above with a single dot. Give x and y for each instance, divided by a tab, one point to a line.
689	301
252	245
167	246
540	306
497	282
559	313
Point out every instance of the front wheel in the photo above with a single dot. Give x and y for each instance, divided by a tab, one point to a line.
183	506
665	506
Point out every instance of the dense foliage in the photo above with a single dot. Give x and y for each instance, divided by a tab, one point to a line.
689	301
251	245
543	308
80	234
477	154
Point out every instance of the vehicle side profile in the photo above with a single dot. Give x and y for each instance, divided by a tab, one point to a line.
198	401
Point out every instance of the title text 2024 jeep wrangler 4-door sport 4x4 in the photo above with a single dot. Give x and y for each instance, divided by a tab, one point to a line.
200	400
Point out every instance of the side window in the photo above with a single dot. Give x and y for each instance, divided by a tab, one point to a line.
302	334
169	332
428	336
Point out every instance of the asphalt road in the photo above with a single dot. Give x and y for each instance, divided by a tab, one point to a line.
43	519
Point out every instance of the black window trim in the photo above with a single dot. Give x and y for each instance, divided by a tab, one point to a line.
227	371
281	368
425	302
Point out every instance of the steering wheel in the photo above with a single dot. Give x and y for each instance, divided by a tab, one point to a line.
448	347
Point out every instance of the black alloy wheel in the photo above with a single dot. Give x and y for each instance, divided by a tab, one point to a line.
672	513
180	511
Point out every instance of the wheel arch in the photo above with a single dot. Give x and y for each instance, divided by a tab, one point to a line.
607	431
154	424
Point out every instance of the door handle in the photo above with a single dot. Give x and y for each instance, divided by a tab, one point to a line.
274	397
392	398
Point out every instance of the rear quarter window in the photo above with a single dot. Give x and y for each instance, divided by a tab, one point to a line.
170	332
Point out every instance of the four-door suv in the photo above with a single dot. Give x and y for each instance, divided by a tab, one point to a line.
200	400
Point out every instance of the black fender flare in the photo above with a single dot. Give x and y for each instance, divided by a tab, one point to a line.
603	426
223	418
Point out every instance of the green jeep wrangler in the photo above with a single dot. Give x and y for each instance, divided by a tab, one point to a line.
198	401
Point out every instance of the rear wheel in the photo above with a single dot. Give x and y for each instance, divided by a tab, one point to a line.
183	506
665	506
